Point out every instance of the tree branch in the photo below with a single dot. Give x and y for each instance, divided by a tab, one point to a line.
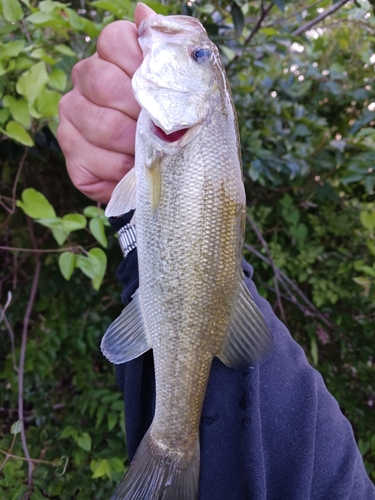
9	328
308	309
263	15
14	190
326	13
272	264
21	365
282	19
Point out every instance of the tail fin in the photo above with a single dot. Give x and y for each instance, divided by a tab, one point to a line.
153	477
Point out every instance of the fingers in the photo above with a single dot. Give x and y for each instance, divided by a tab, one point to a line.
118	44
93	170
98	117
101	126
105	84
141	12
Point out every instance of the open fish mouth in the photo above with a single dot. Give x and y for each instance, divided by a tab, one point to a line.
172	137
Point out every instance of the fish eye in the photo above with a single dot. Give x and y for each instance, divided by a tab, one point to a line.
200	55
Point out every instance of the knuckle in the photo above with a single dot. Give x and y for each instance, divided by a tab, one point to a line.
110	36
118	130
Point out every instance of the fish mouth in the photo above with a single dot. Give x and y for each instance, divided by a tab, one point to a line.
172	137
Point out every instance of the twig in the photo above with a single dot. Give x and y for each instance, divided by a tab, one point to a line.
38	250
9	328
9	210
326	13
282	19
25	31
21	372
275	269
14	190
286	282
8	454
33	460
263	14
21	365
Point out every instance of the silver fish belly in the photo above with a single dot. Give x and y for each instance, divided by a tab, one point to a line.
192	303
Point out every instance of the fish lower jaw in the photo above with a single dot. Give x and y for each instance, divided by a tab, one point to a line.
172	137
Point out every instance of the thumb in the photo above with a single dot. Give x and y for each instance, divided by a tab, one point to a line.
141	13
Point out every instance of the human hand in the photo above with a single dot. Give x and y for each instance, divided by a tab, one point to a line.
98	117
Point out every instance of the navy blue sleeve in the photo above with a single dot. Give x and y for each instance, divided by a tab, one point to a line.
272	432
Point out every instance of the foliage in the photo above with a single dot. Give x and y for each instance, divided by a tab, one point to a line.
302	85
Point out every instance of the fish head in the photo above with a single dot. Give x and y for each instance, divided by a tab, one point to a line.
176	80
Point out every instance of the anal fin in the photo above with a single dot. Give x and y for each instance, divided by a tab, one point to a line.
127	337
248	339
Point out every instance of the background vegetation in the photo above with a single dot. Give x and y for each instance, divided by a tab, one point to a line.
302	77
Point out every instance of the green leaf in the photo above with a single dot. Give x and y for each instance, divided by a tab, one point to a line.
67	261
238	18
117	464
32	82
103	468
98	260
12	10
75	20
57	79
69	431
18	133
97	229
49	5
7	27
92	211
16	428
314	351
11	49
35	204
40	18
52	222
279	4
40	53
47	103
84	441
370	271
362	281
19	109
85	265
73	222
65	50
112	418
368	220
363	447
37	496
4	116
228	52
60	236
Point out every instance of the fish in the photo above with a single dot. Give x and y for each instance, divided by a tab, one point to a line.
192	303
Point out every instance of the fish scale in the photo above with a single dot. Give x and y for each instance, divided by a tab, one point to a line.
192	303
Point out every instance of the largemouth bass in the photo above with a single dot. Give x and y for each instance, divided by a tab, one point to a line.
192	303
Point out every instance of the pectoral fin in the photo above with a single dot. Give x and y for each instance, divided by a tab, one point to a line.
248	339
126	338
154	181
123	198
